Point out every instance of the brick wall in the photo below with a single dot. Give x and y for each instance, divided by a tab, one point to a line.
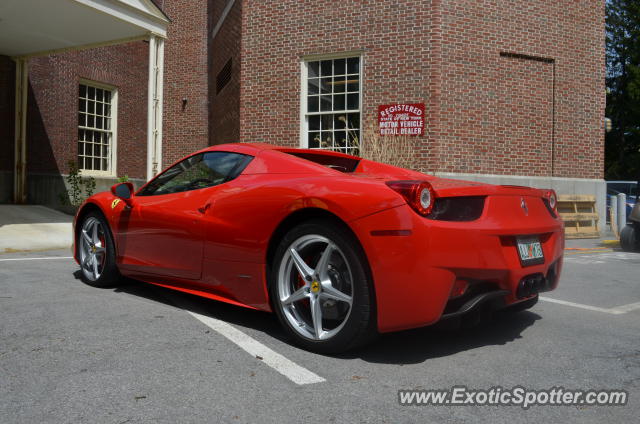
486	112
224	112
498	110
53	105
186	76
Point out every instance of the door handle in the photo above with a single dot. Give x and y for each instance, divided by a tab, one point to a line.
204	208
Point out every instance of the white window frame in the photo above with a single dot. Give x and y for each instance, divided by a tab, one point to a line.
113	151
304	122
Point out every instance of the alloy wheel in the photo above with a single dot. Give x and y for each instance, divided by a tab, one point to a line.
92	249
315	287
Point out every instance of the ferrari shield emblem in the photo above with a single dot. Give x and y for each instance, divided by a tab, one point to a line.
115	203
315	287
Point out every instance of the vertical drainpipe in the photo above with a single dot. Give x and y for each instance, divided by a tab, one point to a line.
20	130
154	106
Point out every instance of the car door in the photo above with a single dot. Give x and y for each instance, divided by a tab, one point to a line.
162	232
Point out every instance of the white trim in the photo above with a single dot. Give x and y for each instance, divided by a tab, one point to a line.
223	17
331	56
152	20
113	147
154	106
303	104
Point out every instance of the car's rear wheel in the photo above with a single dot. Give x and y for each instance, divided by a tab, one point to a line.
321	289
96	252
630	239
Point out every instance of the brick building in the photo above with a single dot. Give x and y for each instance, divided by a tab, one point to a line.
513	90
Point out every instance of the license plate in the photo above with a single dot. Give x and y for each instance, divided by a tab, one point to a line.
530	251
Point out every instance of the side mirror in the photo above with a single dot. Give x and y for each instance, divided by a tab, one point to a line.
123	191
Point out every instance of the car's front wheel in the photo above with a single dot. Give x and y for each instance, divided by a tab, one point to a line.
321	289
96	252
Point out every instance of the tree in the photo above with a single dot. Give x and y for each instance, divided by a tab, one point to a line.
622	143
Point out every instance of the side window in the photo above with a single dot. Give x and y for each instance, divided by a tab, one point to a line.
198	171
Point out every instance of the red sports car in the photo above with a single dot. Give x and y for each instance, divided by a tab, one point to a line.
339	247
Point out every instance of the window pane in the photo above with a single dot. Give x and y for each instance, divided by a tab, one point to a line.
314	140
314	86
339	66
339	121
325	103
314	69
354	138
91	106
80	148
326	140
92	93
314	123
99	94
338	102
99	122
82	105
82	120
353	65
107	110
313	103
353	119
340	138
91	121
96	164
107	96
326	68
339	84
353	84
326	85
352	101
83	90
99	109
327	122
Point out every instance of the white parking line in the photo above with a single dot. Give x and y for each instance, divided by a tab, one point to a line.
284	366
37	259
618	310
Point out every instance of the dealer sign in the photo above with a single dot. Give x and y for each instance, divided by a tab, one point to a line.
401	119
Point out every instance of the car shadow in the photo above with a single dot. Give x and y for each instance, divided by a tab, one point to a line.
404	347
418	345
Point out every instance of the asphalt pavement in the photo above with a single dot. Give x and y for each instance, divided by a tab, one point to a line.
70	353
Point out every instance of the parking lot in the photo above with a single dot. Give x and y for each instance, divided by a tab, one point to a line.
140	353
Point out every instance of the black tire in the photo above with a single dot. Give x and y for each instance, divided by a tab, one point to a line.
109	275
359	326
629	239
522	306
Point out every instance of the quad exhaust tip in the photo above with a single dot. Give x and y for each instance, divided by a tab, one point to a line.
531	285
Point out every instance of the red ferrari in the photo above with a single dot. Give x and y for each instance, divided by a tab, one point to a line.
340	248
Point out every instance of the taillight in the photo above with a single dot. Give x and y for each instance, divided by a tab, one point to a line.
551	202
418	194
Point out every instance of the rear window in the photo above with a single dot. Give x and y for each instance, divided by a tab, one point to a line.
339	163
